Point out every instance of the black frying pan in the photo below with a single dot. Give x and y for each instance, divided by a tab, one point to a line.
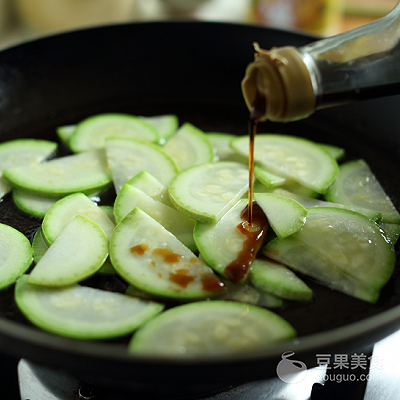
193	70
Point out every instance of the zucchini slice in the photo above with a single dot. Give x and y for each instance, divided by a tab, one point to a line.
335	151
206	192
296	255
39	245
31	203
309	202
127	157
92	132
62	176
210	329
279	280
166	125
292	157
78	252
65	209
357	187
172	220
221	244
149	257
24	152
286	216
81	312
65	133
352	242
246	293
20	152
222	147
147	183
347	245
15	255
267	178
109	210
189	146
5	187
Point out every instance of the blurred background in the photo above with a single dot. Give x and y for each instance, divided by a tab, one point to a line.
25	19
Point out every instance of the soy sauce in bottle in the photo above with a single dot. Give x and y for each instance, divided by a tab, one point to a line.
359	64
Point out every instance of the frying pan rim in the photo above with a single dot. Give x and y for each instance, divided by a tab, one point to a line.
308	344
305	344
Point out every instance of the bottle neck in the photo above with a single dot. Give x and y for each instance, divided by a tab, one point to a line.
355	65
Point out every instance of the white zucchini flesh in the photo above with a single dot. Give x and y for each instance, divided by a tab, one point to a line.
15	255
220	243
149	257
62	176
20	152
127	157
286	216
31	203
78	252
92	132
210	329
279	280
174	221
309	202
109	210
189	146
292	157
81	312
222	148
206	192
296	255
147	183
65	209
356	186
166	125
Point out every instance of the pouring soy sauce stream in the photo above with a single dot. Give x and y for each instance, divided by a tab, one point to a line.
287	84
257	111
255	224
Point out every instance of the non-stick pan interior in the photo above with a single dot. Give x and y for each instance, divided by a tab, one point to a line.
192	70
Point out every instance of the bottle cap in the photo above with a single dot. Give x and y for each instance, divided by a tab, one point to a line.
281	77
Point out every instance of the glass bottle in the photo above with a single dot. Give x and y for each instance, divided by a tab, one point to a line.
288	83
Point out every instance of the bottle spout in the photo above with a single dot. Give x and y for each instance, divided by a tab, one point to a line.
278	85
